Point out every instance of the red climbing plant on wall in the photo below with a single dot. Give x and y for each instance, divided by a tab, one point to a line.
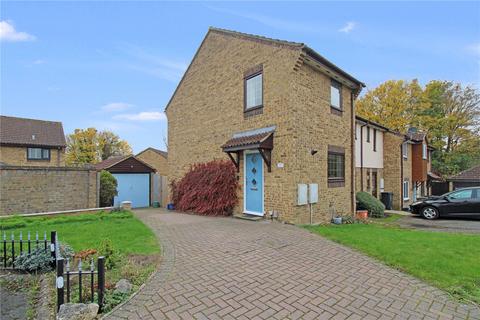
207	189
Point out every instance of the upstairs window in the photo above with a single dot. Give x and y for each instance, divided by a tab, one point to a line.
424	151
374	139
368	134
405	150
38	154
254	91
335	95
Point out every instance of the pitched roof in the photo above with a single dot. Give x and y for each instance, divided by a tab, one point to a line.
29	132
472	174
294	45
107	163
248	138
416	136
160	152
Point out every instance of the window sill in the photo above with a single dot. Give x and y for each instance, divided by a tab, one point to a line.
336	183
39	160
406	199
253	111
336	111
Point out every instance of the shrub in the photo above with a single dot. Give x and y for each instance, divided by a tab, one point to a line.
65	250
207	189
37	260
108	188
368	202
112	256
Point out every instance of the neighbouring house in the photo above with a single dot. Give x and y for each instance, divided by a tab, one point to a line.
282	113
157	159
388	161
29	142
134	179
466	178
407	166
369	156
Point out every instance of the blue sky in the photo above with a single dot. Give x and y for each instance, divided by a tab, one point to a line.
114	65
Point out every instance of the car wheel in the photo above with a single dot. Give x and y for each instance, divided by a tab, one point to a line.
430	213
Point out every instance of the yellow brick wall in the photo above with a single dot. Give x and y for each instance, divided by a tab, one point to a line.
44	189
316	128
393	161
17	156
155	160
208	108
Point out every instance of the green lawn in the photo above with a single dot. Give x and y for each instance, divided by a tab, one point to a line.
85	231
446	260
135	248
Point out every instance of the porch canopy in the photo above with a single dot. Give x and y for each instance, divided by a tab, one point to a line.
257	139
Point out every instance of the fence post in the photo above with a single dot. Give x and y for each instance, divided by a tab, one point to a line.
101	281
53	246
59	283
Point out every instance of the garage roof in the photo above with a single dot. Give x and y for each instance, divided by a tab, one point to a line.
124	164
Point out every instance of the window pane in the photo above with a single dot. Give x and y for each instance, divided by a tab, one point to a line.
334	97
254	91
336	166
45	153
34	153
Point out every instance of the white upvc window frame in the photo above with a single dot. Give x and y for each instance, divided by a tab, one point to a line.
405	150
406	192
424	151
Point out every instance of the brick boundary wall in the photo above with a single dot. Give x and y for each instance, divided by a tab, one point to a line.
43	189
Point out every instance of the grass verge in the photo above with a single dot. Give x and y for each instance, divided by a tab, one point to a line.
446	260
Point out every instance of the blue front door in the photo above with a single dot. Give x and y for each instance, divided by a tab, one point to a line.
134	187
254	184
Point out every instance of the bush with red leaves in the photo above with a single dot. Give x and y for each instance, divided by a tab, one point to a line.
207	189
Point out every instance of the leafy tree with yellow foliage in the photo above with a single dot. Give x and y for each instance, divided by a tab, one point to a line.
448	112
89	146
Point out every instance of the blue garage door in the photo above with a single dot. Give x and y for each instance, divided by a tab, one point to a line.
134	187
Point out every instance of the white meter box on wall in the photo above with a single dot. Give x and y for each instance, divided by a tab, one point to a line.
312	193
302	194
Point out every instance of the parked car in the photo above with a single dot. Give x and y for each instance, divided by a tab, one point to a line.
461	202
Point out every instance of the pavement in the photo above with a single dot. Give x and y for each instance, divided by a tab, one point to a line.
456	225
225	268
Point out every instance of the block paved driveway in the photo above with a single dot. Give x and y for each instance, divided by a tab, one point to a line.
225	268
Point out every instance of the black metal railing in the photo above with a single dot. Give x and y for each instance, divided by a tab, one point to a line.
14	247
65	276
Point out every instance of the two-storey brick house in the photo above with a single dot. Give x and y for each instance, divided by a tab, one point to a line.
29	142
280	111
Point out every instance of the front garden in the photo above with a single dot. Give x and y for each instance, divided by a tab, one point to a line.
446	260
130	248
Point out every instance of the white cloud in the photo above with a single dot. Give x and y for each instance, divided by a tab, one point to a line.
116	106
142	116
349	26
269	21
155	65
474	49
8	33
39	61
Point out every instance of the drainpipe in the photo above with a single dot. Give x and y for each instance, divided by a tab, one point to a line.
352	145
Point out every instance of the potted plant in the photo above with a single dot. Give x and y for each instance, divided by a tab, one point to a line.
361	214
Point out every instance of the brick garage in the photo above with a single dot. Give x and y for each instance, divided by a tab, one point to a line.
44	189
